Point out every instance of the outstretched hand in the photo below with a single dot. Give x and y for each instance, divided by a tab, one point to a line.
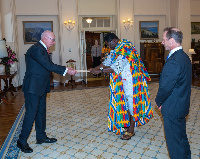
94	70
71	71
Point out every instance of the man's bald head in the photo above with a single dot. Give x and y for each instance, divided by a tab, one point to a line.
48	38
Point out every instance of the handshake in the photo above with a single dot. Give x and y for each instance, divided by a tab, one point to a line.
95	70
71	71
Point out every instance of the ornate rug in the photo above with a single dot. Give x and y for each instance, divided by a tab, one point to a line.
78	119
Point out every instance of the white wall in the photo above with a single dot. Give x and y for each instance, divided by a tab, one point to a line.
150	7
194	6
184	23
36	7
5	10
96	7
126	11
69	40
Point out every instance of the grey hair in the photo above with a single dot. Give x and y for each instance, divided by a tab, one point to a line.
174	33
45	33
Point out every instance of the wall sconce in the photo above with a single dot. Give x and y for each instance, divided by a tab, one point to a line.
89	20
69	25
127	24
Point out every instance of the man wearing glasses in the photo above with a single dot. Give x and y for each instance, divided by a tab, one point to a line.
36	85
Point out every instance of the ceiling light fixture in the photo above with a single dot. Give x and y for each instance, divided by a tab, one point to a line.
89	20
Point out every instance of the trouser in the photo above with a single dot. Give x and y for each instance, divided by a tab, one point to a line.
96	62
176	138
35	110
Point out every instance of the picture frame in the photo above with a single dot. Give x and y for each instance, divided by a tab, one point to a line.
149	30
32	30
195	27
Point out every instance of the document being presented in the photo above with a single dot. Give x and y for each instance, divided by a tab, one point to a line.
82	71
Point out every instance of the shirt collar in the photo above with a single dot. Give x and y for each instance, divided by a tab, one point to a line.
43	44
174	50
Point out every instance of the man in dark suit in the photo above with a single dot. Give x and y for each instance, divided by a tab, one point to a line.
173	97
36	85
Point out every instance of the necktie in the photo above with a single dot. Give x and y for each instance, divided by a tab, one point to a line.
48	51
167	57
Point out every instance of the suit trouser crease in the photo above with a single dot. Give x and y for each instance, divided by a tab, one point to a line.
176	138
35	110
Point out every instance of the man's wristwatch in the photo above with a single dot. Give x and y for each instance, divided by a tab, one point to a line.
101	68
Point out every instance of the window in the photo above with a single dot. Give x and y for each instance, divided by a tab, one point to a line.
97	22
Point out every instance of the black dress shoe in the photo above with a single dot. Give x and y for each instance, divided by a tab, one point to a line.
46	140
24	148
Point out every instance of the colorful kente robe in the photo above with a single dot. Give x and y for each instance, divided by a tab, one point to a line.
128	88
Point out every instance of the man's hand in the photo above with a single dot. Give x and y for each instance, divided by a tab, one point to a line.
159	107
71	71
94	70
108	70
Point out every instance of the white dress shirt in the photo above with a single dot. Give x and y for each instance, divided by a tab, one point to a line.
172	51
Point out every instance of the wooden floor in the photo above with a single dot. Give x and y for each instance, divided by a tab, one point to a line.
8	113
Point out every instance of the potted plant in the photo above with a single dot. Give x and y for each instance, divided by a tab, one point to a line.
10	59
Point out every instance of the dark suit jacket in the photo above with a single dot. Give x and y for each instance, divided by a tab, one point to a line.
175	86
38	68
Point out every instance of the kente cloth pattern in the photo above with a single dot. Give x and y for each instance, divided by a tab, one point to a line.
105	52
142	110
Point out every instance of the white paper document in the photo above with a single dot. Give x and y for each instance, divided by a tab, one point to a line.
82	71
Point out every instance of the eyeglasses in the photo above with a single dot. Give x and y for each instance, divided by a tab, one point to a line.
51	39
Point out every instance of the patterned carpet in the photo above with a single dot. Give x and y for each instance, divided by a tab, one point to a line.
78	119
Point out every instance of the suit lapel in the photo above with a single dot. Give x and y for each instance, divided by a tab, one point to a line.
41	46
180	50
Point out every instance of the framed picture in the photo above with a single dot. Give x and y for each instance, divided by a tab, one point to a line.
32	30
195	27
149	29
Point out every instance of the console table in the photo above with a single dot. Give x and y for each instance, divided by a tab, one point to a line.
152	54
7	78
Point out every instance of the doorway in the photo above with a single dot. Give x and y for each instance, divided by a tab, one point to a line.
90	38
87	41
